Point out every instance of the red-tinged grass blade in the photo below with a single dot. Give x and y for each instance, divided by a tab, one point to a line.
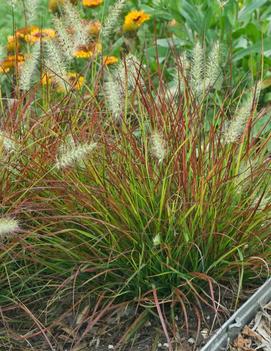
199	318
133	328
42	329
182	299
157	305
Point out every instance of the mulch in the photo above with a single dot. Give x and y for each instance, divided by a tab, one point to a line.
256	336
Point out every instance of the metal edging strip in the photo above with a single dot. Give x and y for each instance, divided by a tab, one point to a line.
231	328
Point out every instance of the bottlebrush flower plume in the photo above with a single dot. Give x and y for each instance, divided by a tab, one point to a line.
6	142
64	39
28	68
128	73
72	153
236	127
112	18
197	69
8	227
73	19
56	64
158	146
114	96
213	72
30	10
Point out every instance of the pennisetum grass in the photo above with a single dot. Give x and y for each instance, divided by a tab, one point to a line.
154	216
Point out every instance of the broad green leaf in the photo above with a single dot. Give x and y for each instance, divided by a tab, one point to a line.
249	9
258	48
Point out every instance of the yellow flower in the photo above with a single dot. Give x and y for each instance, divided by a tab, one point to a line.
22	32
76	80
92	3
46	79
110	60
87	51
55	4
11	61
134	20
39	34
13	43
3	70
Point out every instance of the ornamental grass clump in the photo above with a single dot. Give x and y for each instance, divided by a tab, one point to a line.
152	215
155	210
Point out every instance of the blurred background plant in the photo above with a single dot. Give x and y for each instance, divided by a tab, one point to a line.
241	27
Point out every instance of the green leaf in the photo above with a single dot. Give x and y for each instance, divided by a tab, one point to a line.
258	48
249	9
169	42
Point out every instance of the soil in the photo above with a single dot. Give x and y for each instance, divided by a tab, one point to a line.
119	331
124	329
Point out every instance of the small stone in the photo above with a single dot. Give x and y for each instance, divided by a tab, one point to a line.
205	333
191	341
159	345
166	345
110	347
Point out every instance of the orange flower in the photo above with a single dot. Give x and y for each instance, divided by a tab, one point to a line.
134	20
39	34
11	61
3	70
87	51
92	3
110	60
55	4
21	33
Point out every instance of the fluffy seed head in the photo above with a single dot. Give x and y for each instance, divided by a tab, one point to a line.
114	96
197	69
71	154
65	40
112	18
128	73
213	69
31	7
6	142
74	20
28	68
8	227
56	63
158	146
157	240
236	127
